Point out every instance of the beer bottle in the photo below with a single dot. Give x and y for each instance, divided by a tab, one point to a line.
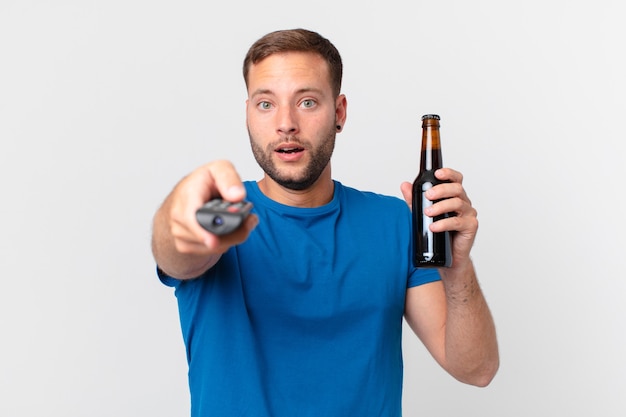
430	249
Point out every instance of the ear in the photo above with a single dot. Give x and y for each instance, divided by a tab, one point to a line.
246	111
341	111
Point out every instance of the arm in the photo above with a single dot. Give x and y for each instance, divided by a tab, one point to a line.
451	317
181	247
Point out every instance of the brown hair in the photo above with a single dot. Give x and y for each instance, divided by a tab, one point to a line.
300	40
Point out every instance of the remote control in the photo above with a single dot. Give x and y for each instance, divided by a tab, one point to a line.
222	217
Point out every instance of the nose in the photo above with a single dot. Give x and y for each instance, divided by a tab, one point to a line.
287	121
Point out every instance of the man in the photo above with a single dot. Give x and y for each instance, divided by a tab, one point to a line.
302	316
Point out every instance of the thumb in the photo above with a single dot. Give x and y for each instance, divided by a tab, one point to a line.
407	192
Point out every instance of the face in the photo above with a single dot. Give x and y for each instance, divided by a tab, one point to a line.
292	117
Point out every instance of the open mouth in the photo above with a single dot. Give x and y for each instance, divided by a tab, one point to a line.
290	150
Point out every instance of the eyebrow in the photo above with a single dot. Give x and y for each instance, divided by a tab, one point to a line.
262	91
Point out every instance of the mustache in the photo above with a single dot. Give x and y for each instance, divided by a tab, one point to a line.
290	140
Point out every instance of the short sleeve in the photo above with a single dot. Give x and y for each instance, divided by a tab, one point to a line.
421	276
166	279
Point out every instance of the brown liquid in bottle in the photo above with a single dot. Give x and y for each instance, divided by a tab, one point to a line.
429	249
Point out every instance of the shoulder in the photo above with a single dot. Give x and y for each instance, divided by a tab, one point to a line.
370	198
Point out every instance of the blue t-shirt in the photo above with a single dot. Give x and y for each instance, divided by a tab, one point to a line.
305	317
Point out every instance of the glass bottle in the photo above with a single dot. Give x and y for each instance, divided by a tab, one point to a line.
431	250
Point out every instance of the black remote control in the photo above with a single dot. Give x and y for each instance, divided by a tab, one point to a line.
222	217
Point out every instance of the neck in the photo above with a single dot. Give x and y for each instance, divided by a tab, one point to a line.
320	193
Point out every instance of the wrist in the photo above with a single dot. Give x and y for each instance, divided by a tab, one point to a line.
460	281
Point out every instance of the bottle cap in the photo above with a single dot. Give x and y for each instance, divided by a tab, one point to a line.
431	116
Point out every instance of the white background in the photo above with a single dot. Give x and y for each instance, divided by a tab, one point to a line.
105	105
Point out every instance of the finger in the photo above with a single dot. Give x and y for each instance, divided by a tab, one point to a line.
241	234
467	225
220	244
185	229
448	174
193	240
452	206
226	181
446	190
407	193
201	240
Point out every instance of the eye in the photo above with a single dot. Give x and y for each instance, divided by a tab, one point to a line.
308	103
265	105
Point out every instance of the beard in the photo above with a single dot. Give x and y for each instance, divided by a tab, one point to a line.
305	178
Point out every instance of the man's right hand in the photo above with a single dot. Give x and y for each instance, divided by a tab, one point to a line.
181	247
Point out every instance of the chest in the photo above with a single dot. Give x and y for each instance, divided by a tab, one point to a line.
322	271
